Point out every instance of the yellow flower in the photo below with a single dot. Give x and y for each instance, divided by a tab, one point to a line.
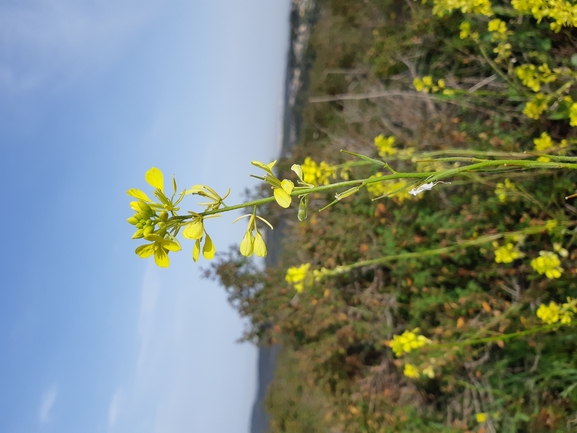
253	243
297	276
543	143
385	145
411	371
507	253
503	189
407	341
547	263
160	248
281	189
549	314
465	28
481	417
535	107
573	114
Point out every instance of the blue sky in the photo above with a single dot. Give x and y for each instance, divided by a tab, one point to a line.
92	94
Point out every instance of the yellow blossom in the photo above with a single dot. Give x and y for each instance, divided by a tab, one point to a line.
297	276
481	417
385	145
549	314
547	263
573	114
507	253
503	189
411	371
407	341
536	106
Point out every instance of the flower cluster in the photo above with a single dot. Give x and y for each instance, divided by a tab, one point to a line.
498	29
533	77
385	145
407	341
297	276
507	253
563	13
504	189
554	312
317	174
547	263
426	85
196	232
536	106
446	7
151	219
413	372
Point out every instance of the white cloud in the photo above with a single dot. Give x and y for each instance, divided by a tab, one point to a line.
114	408
47	402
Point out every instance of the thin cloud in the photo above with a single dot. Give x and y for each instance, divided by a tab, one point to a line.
114	408
47	403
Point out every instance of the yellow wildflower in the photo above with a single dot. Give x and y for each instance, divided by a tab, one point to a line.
407	341
411	371
549	314
536	106
481	417
543	143
502	189
507	253
385	145
297	276
573	114
547	263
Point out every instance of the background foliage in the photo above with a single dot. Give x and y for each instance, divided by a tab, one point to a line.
337	372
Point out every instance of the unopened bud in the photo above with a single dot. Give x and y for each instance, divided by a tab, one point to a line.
163	216
138	234
133	220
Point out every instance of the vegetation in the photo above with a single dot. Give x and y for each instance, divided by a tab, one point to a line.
436	291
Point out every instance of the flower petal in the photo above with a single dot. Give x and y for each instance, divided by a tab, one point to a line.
161	257
287	185
266	167
282	198
145	251
136	193
196	250
259	245
194	230
170	245
247	244
208	250
298	170
155	178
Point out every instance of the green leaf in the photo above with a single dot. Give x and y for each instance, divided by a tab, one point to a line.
155	178
136	193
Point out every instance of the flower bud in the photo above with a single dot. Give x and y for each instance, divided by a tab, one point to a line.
144	207
133	220
138	234
163	216
147	230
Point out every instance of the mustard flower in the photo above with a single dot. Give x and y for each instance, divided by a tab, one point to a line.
411	371
481	417
465	28
507	253
253	243
407	341
549	314
547	263
385	145
281	189
543	143
573	114
160	248
503	189
297	276
536	106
